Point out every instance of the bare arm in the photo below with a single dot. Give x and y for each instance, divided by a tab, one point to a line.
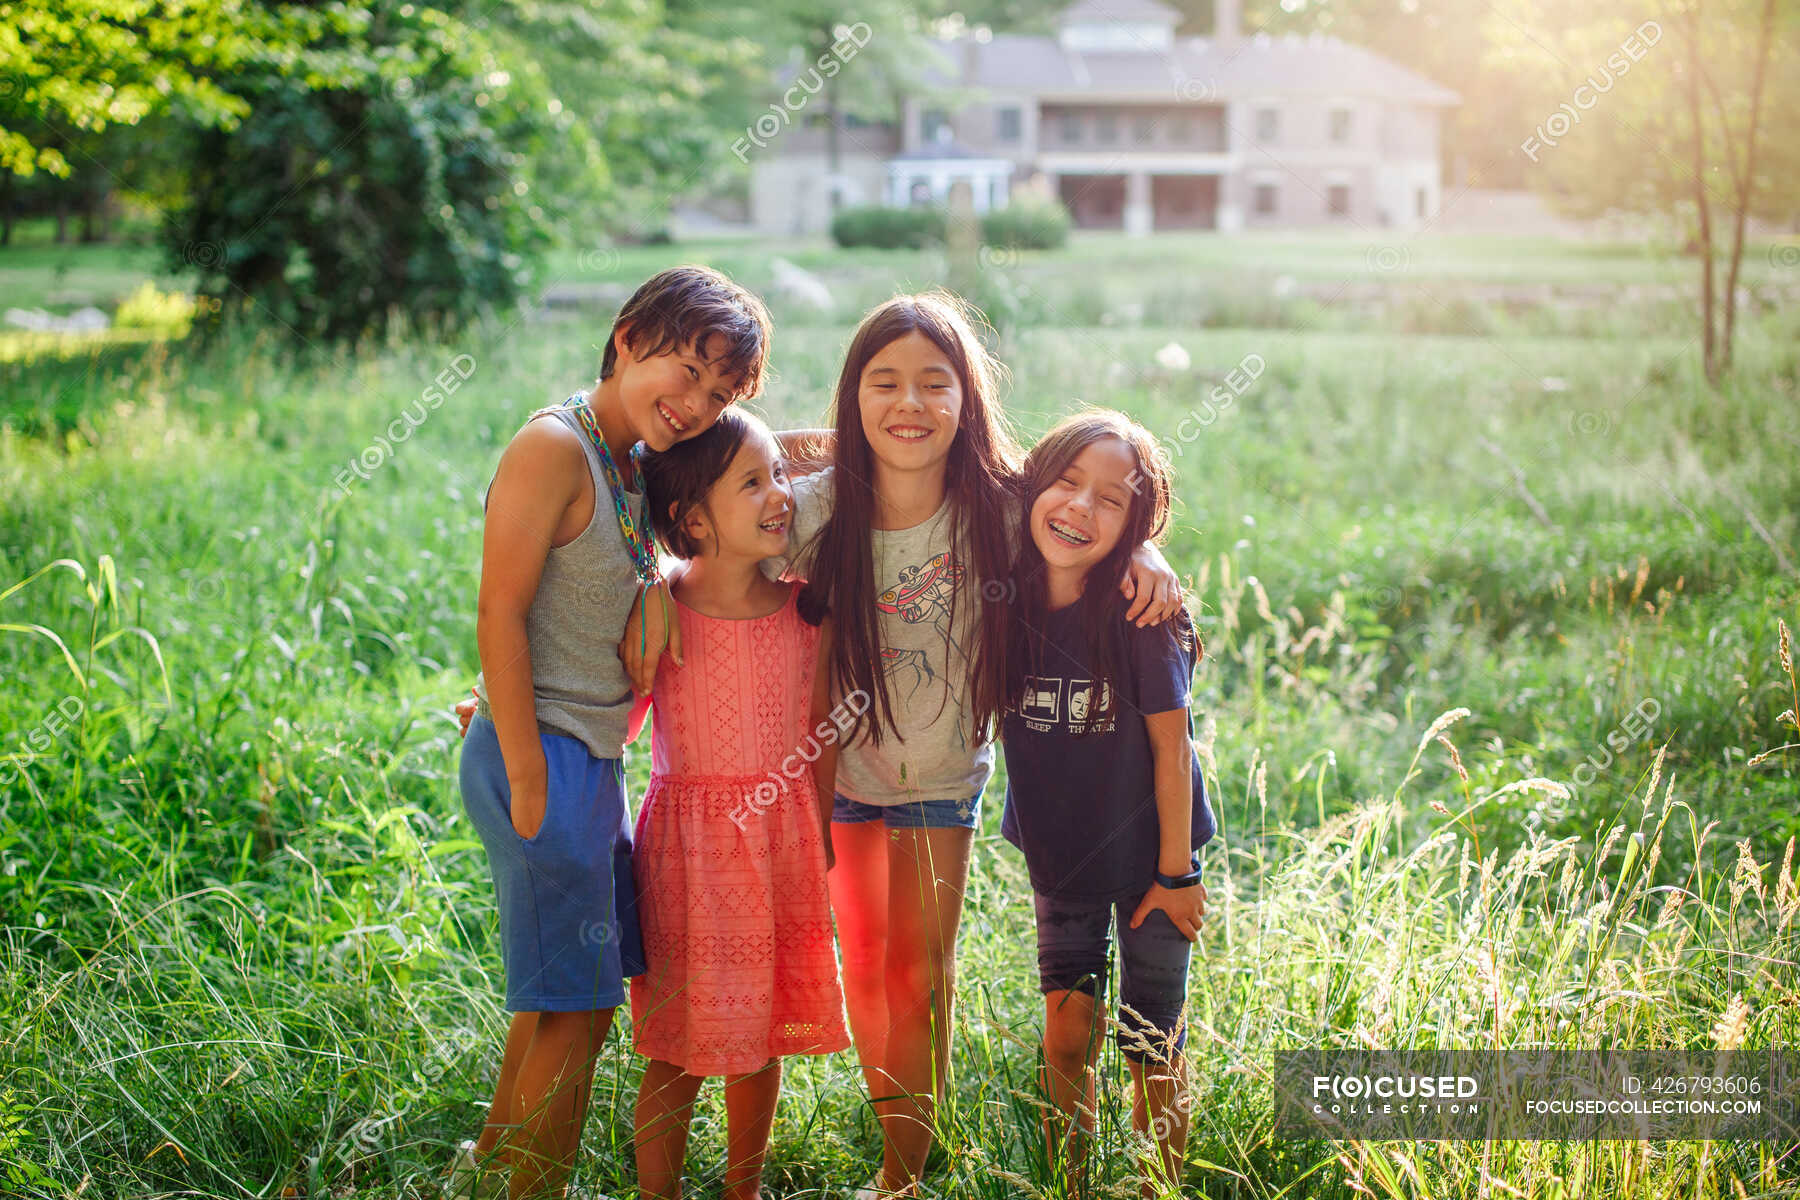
824	767
650	629
539	477
807	451
1173	756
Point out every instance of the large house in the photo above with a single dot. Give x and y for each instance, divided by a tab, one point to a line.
1135	128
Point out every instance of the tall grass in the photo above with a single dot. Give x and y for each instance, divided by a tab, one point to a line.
247	936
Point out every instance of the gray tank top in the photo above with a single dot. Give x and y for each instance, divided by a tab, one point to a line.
576	620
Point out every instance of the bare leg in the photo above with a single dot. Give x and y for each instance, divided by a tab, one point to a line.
749	1117
859	899
554	1080
502	1120
665	1109
1159	1108
927	872
1072	1032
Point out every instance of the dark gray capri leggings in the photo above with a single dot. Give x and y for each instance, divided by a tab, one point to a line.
1073	945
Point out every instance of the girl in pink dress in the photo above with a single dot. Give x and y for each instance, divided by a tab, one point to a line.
733	841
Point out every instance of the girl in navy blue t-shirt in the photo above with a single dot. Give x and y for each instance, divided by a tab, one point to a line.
1104	791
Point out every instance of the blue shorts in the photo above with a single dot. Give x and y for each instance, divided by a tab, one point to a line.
568	914
1153	964
912	814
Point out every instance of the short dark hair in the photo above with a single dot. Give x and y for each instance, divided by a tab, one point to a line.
677	480
699	305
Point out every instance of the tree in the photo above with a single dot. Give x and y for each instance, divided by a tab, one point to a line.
1668	117
384	164
71	67
860	61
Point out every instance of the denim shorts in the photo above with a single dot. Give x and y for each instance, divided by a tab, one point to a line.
568	913
1153	964
911	814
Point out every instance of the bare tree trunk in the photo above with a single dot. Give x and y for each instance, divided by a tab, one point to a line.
832	149
1746	183
1708	357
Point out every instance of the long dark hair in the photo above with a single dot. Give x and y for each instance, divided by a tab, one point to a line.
980	482
1101	604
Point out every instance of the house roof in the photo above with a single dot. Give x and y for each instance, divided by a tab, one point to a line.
1248	67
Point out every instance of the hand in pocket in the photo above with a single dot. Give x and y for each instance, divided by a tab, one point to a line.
529	799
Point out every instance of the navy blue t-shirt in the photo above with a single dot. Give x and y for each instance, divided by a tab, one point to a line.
1081	788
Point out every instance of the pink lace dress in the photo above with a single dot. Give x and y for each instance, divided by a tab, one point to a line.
729	862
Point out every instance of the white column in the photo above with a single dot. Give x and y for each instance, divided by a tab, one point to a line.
1139	217
1230	215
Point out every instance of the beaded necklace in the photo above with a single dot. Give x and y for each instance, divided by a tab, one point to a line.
638	538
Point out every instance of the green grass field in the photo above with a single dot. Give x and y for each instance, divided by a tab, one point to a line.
247	934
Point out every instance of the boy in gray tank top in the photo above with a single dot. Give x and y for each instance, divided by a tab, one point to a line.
565	548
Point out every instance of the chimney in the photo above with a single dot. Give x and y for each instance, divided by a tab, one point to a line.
1226	24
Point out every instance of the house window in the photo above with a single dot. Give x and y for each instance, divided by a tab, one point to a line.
930	121
1106	128
1340	125
1071	128
1337	199
1008	124
1263	199
1181	130
1422	203
1143	129
1268	125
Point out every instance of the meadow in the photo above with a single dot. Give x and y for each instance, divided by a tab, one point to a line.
1490	583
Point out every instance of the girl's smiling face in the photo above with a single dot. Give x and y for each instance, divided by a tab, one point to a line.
911	403
750	510
1077	520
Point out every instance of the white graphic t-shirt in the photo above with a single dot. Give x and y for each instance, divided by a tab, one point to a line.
918	587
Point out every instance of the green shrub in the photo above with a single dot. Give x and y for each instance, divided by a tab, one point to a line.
1027	224
888	228
147	308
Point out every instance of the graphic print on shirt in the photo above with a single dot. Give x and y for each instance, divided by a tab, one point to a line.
1088	708
922	597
